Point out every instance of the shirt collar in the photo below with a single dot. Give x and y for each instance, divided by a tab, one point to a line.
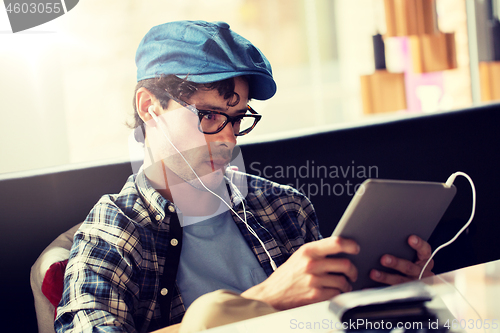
159	207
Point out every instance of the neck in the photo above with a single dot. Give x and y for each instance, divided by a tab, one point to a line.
189	199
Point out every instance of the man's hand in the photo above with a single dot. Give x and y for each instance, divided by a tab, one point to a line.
411	270
306	277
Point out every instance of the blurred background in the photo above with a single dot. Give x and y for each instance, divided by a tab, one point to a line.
66	87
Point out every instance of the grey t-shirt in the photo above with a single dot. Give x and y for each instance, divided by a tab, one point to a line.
215	256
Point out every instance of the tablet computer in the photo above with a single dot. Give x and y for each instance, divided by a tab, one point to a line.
383	214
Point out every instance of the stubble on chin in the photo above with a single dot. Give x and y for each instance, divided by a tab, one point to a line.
180	172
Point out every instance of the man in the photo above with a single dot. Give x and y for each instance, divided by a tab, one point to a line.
257	239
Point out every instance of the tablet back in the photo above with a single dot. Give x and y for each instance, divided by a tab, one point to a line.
383	214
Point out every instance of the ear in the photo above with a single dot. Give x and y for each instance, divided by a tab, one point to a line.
143	100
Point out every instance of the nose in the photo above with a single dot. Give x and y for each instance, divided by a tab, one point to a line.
225	136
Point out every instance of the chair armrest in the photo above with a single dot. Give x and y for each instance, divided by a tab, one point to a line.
57	251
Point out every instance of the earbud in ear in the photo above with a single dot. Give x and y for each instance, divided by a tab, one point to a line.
151	110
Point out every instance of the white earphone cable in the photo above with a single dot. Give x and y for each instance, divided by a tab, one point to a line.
449	182
158	122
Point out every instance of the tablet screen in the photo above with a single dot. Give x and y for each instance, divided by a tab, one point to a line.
383	214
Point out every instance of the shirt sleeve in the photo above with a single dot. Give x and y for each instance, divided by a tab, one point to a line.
306	215
99	289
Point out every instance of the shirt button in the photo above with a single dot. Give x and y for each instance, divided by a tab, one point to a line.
174	242
171	209
158	217
164	292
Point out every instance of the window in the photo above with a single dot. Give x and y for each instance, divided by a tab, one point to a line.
67	86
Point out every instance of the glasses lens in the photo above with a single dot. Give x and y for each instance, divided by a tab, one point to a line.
244	125
214	122
210	123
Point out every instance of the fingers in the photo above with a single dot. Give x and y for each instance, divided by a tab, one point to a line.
330	245
328	281
401	265
387	278
393	279
338	282
321	265
329	273
328	266
410	270
309	276
424	250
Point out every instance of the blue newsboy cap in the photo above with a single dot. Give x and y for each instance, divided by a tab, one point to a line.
203	52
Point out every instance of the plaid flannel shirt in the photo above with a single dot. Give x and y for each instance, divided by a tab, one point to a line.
112	278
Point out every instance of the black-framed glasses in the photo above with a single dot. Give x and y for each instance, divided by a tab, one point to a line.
212	122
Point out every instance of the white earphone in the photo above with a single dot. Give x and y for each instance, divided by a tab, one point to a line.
151	111
250	229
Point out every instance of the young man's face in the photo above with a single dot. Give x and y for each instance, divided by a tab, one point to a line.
208	154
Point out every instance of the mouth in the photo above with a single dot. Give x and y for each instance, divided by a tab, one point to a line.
218	164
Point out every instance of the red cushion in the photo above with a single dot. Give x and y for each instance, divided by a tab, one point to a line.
53	282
